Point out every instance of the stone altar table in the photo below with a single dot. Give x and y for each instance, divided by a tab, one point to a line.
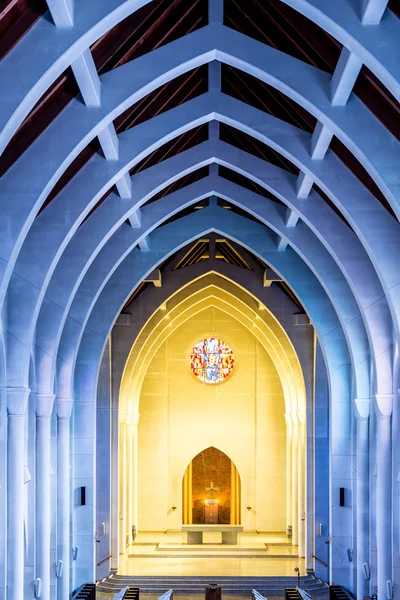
195	533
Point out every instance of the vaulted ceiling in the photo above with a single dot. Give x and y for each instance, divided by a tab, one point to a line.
125	122
160	22
153	142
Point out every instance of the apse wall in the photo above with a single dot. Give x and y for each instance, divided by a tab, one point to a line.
243	417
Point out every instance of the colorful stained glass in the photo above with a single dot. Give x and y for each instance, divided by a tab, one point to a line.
212	360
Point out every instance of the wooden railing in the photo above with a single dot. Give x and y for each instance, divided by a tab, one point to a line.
319	560
104	559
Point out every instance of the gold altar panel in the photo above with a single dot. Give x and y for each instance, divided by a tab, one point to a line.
211	478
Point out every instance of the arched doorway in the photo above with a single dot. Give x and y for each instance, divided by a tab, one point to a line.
211	490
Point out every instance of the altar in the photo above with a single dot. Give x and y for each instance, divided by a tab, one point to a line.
195	533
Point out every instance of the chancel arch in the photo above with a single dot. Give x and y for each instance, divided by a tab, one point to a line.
258	321
198	414
184	306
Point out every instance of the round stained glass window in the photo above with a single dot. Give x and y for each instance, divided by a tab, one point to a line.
212	360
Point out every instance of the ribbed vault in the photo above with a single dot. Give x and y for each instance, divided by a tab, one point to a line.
132	128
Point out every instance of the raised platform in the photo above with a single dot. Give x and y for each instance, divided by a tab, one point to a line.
195	533
212	550
167	553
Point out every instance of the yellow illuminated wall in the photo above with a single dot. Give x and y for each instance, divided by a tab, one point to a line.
243	417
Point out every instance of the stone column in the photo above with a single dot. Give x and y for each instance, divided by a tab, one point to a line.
362	407
122	486
44	409
238	498
288	471
184	498
190	485
64	409
17	403
295	497
135	428
129	461
383	407
233	494
187	495
301	485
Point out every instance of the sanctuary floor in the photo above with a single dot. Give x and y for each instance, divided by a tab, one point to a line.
167	554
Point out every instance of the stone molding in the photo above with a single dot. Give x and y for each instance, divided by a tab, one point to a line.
288	419
301	416
17	400
384	405
64	407
362	408
132	418
44	404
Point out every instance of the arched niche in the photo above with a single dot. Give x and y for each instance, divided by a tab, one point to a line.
211	490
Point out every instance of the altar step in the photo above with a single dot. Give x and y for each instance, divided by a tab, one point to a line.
219	555
273	586
215	554
212	550
272	548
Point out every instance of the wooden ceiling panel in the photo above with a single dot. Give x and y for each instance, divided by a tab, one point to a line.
176	92
274	23
16	19
252	91
152	26
359	171
247	183
379	100
253	146
53	101
394	6
172	148
162	21
181	183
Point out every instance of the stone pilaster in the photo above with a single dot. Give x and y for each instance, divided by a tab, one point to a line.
17	404
361	409
44	409
64	410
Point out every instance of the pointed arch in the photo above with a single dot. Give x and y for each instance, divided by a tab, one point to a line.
196	500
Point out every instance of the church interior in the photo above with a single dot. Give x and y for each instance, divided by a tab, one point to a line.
199	298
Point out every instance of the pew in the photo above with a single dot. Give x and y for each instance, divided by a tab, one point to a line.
292	594
336	592
296	594
85	592
132	593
